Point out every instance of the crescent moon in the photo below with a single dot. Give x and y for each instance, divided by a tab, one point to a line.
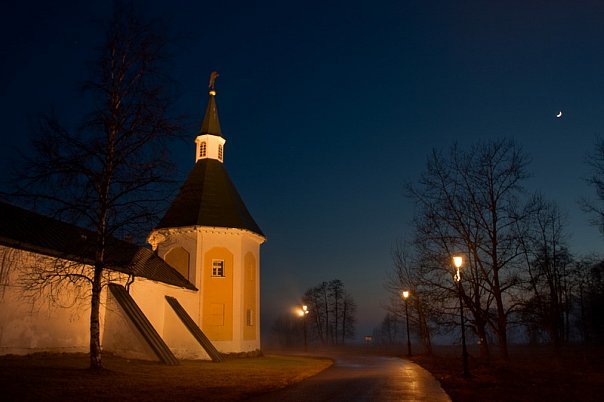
559	114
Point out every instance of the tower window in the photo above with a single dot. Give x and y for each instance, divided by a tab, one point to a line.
202	149
220	152
249	317
218	268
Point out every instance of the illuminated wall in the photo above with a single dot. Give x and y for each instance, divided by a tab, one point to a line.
226	306
250	297
29	325
178	258
224	265
150	296
217	294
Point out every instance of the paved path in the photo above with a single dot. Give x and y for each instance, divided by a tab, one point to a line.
364	378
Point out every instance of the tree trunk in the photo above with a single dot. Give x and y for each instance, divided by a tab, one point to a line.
326	308
502	336
481	323
482	339
343	322
424	329
95	329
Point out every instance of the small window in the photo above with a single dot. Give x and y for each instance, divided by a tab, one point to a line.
249	317
220	152
202	149
217	267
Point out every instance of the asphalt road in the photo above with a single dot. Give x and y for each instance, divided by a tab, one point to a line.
364	378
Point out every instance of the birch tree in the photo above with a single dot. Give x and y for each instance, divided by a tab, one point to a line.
108	175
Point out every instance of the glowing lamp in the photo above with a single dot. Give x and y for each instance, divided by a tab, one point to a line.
301	312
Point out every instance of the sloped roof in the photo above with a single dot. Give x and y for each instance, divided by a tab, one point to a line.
211	123
30	231
209	198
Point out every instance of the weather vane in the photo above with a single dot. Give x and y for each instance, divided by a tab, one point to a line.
213	77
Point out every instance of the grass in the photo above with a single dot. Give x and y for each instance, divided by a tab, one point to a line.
67	378
531	374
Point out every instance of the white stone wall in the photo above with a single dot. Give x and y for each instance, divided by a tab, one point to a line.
41	325
150	297
33	323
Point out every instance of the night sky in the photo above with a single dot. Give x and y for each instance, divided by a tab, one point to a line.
329	107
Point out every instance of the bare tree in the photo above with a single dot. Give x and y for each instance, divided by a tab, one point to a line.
406	275
390	331
107	176
587	277
335	291
349	309
332	311
548	261
595	208
468	203
590	277
315	298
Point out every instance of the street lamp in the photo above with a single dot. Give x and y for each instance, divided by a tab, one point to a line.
406	295
457	263
303	312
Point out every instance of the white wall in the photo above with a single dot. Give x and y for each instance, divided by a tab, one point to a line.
197	241
39	325
29	325
150	297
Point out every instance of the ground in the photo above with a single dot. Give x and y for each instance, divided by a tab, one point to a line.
65	377
532	374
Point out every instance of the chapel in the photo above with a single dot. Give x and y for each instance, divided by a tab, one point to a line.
194	294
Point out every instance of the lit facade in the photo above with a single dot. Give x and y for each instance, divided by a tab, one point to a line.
206	255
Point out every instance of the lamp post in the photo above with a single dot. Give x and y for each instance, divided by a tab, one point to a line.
457	263
303	312
406	295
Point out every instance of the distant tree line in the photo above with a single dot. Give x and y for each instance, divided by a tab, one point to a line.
519	276
332	311
330	319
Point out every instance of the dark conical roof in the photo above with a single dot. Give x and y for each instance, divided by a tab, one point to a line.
211	124
209	198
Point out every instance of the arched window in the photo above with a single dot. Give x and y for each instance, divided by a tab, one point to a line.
202	149
220	152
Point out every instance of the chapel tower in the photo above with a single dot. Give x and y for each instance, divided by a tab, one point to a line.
210	237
